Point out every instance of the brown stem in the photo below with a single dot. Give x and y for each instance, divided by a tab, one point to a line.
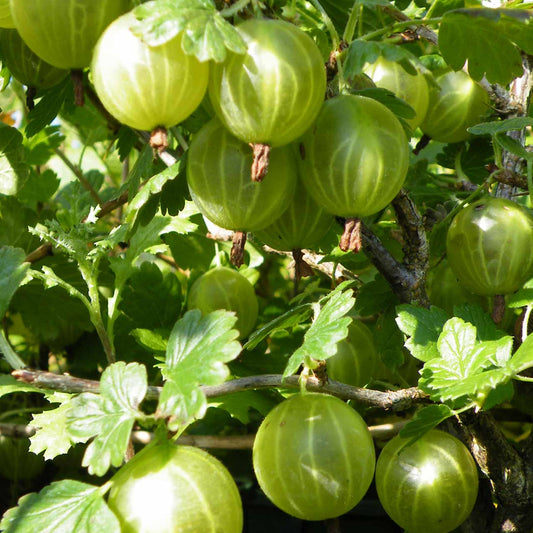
498	311
399	400
237	250
351	237
301	268
79	91
79	175
39	253
261	160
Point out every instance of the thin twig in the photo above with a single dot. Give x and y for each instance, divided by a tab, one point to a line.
79	175
399	400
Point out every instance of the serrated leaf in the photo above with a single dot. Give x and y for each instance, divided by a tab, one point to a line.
154	186
389	340
198	348
66	506
425	420
423	327
478	35
485	326
462	366
330	325
109	416
52	436
501	126
293	317
476	385
206	34
13	270
152	299
14	170
48	107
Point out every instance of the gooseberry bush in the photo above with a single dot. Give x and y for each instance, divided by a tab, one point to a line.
297	234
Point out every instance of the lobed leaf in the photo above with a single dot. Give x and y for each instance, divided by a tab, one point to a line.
488	39
330	325
109	416
198	348
206	34
52	436
423	327
65	506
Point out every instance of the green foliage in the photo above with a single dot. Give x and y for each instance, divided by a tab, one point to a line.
115	242
64	506
197	349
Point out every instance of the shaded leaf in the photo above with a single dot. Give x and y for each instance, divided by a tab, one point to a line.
14	170
13	270
425	420
423	327
293	317
501	126
486	38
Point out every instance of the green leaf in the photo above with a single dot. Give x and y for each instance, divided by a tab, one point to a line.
388	339
423	327
501	126
375	297
198	348
66	506
52	436
206	34
425	420
14	170
108	416
361	52
48	107
461	368
13	270
291	318
9	385
485	326
153	187
523	357
513	146
39	188
151	340
389	99
523	297
238	405
14	222
330	325
152	299
485	38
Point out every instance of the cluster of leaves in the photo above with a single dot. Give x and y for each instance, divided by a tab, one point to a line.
107	293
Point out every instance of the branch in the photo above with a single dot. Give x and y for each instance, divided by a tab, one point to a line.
422	31
400	278
399	400
222	442
416	248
